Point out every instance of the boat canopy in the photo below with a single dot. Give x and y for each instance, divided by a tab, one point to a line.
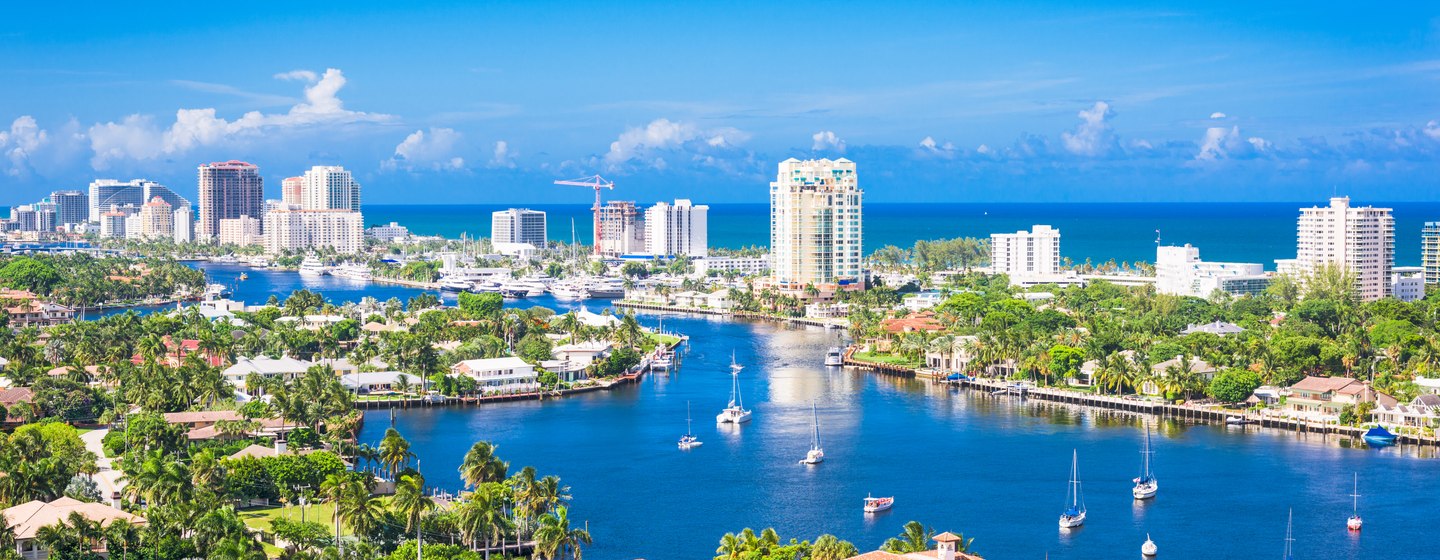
1072	511
1378	431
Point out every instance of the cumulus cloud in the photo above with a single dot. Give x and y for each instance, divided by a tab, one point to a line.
503	156
1217	115
1226	143
929	146
827	140
1093	137
1432	129
435	150
651	144
20	143
138	137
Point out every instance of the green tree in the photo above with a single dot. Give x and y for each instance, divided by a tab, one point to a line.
915	538
1233	385
481	306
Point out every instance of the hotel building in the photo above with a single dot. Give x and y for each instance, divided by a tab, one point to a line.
676	229
1179	271
518	225
1360	239
301	230
228	189
816	227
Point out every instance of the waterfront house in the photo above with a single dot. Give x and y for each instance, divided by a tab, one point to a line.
26	520
719	299
954	358
922	301
923	321
821	310
592	319
946	548
285	368
25	309
1422	412
499	376
1322	398
312	322
1086	376
1220	328
582	353
371	382
1161	370
1264	395
1429	384
341	366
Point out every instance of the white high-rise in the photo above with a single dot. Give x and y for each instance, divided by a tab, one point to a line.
241	231
330	187
184	222
518	225
300	230
676	229
1026	254
1179	271
1360	239
816	229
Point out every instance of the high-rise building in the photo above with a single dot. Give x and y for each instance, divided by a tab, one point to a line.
1430	252
621	230
1026	254
816	226
184	225
330	187
71	207
157	220
676	229
228	189
26	218
518	225
241	231
292	191
1358	239
300	230
112	224
109	193
1179	271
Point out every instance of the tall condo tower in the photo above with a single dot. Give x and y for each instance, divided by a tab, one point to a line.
816	229
228	189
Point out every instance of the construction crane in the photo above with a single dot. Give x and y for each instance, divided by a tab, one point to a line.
595	182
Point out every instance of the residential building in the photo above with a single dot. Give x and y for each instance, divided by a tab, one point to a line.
1430	251
1358	239
387	233
1023	255
1422	412
365	383
1218	328
228	189
816	226
26	218
676	229
507	375
745	266
27	520
284	368
1407	283
157	220
292	191
242	231
518	225
132	194
330	187
1163	369
112	224
1179	271
300	230
71	207
1322	398
947	547
25	309
184	222
621	230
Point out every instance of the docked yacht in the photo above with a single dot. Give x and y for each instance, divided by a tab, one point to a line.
605	288
834	357
569	290
216	291
352	271
456	284
312	266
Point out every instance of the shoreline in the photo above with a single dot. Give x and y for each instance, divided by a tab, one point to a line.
620	303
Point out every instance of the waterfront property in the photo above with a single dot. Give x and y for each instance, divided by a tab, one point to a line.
27	520
499	376
284	368
25	309
1323	398
816	231
372	382
1422	412
946	545
1179	271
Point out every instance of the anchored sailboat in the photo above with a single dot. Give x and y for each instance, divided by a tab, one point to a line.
1355	523
1074	515
689	441
735	413
816	455
1145	485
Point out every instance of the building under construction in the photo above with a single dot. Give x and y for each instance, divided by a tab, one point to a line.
622	232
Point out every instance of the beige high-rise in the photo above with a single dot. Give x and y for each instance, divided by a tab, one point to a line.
229	189
816	227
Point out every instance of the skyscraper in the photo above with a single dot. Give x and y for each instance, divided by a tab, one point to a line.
816	226
518	225
228	189
292	191
330	187
157	220
1026	254
71	207
676	229
621	230
1361	240
1430	252
108	193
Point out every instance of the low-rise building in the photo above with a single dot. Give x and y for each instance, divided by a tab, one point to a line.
284	367
1163	369
27	519
826	310
1220	328
508	375
1407	283
923	321
1422	412
390	232
745	266
301	230
368	382
25	309
1323	398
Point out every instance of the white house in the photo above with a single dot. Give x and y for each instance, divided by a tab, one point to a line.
506	375
285	367
381	381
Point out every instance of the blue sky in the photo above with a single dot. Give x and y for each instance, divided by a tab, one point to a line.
989	101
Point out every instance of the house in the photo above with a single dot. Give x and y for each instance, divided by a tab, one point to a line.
824	310
202	425
312	322
591	319
364	383
719	299
922	301
1322	398
341	366
1264	395
1086	376
176	352
9	397
955	358
1197	366
946	548
508	375
26	520
25	309
1428	384
568	372
1220	328
285	367
1422	412
923	321
690	299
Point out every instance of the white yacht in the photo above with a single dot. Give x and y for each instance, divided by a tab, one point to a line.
569	290
352	271
689	441
1074	515
834	357
216	291
816	455
1145	485
605	288
1149	548
225	259
874	505
735	413
312	266
456	284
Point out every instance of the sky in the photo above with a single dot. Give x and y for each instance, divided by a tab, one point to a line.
435	102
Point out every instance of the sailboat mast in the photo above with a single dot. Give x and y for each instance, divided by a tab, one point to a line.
815	439
1355	496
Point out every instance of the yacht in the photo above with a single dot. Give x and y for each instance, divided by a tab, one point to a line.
258	262
569	290
1355	523
352	271
1074	515
874	505
312	266
661	360
216	291
1145	485
514	292
456	284
1149	548
834	357
605	288
225	259
689	441
532	286
735	413
816	455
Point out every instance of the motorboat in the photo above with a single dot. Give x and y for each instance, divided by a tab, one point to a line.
735	412
661	361
312	266
1238	421
689	441
834	358
216	291
352	271
1146	485
876	505
514	292
1074	515
1149	548
225	259
1354	523
816	455
1379	437
605	288
456	284
569	291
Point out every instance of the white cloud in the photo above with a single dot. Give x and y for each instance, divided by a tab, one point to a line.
1432	129
1217	115
136	137
650	145
1093	137
928	145
502	157
419	150
21	142
1226	143
827	140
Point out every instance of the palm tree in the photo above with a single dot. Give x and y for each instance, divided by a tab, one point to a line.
828	547
915	538
731	547
394	451
411	501
482	516
481	465
555	538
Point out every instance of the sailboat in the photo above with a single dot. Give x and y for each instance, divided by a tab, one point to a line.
735	413
1149	548
816	455
1355	523
689	441
1074	515
1145	485
1290	537
734	367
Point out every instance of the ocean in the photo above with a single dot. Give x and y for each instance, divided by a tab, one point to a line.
1125	232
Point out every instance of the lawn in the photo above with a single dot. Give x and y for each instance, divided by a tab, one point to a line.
261	517
892	359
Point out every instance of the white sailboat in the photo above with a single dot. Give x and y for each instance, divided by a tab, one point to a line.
1149	548
1355	523
1290	536
735	412
689	441
1145	485
1074	515
816	455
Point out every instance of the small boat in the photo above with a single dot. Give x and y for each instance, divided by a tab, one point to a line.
876	505
1074	515
1355	523
216	291
660	362
1238	421
244	276
688	441
834	358
816	455
1149	548
1290	537
735	412
1145	485
1379	437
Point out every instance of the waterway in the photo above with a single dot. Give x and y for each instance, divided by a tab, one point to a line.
993	468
